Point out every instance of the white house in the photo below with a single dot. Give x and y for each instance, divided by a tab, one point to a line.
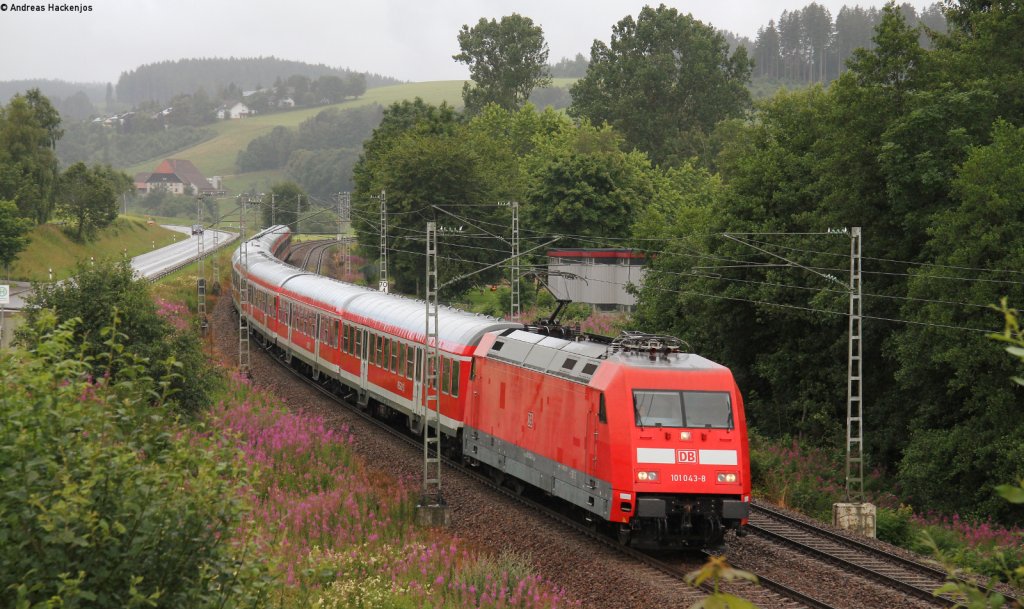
239	110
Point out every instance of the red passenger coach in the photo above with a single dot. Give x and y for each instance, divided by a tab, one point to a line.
647	440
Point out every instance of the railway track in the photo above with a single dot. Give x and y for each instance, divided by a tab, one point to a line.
767	594
907	576
311	253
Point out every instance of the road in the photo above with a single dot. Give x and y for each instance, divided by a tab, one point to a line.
166	259
150	265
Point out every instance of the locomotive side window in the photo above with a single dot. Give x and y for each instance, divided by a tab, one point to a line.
455	378
694	409
602	412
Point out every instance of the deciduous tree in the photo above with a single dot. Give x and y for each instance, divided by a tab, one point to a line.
13	233
283	204
507	59
88	197
29	130
664	81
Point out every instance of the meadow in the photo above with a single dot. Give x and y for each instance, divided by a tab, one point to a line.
216	156
52	248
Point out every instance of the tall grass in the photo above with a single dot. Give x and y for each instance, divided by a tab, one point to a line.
52	248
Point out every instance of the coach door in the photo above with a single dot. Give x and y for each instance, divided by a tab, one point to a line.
418	396
365	349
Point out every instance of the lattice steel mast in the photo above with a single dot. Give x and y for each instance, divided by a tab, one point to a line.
854	382
431	361
383	275
200	271
243	294
516	306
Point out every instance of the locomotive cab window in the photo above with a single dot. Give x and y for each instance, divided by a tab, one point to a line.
693	409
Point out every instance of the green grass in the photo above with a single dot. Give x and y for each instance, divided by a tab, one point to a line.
216	156
52	248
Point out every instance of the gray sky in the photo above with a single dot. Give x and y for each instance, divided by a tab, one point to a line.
407	39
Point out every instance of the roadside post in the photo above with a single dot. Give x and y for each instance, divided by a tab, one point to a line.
5	299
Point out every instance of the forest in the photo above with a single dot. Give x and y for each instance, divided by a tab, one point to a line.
744	211
811	45
159	82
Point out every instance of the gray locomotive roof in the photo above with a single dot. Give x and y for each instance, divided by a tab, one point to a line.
576	360
570	359
677	361
396	314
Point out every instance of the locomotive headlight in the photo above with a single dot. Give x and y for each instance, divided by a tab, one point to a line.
647	476
684	435
726	478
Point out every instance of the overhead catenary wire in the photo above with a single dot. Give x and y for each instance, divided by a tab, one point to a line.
752	263
417	237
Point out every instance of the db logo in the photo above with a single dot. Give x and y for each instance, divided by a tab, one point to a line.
687	456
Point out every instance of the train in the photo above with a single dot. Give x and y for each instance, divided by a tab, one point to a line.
636	435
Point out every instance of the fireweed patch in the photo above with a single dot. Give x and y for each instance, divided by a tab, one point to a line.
341	535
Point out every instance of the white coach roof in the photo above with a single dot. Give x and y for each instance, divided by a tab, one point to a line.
391	313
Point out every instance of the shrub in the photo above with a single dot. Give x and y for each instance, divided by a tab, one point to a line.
103	500
98	290
894	525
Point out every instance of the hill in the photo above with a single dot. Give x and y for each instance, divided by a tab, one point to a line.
54	89
160	82
51	248
216	156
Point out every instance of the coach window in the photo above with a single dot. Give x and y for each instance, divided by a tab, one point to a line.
394	355
344	337
401	359
358	342
419	364
446	375
455	377
410	362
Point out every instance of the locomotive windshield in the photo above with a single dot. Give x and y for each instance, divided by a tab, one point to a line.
694	409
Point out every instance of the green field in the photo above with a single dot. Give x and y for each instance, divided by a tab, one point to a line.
50	248
216	156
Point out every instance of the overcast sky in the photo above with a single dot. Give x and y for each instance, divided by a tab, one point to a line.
407	39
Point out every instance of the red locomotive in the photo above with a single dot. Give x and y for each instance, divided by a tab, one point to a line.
648	440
